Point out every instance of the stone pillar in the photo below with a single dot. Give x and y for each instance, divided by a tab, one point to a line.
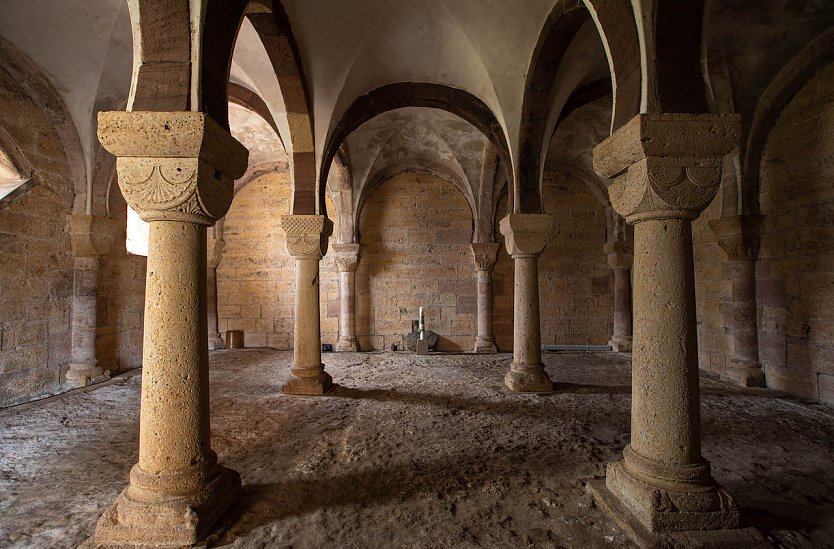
485	255
91	237
307	237
176	169
214	254
620	258
738	236
666	169
526	237
347	260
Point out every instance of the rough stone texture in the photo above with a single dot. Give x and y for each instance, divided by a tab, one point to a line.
415	232
121	297
36	264
256	277
413	451
795	273
575	283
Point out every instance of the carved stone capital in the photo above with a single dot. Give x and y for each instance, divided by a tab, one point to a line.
91	235
738	236
666	165
307	235
526	235
175	166
485	254
214	252
620	254
347	257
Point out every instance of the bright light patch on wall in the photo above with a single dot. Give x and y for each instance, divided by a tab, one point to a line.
137	234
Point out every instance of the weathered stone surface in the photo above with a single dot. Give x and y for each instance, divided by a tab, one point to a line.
346	257
412	337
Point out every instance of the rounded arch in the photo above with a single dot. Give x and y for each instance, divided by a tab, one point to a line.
390	172
617	28
414	94
556	36
246	98
40	90
787	83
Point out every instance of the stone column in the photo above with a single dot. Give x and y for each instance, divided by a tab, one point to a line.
485	255
666	169
91	237
347	260
738	236
176	169
214	254
620	258
307	237
526	237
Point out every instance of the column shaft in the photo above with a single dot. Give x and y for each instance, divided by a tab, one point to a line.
84	367
347	311
745	332
527	340
215	339
621	340
485	336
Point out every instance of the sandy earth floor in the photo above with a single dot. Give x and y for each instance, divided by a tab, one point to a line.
412	451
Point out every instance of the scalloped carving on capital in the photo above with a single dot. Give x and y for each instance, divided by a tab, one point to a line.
526	235
666	165
347	257
307	235
177	166
91	235
485	255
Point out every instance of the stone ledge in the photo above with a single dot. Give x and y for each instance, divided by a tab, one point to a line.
739	538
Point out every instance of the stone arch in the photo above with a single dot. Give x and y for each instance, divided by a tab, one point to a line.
40	90
436	170
278	40
246	98
787	83
617	28
415	94
564	21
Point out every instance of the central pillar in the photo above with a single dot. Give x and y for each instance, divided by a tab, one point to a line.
91	237
347	261
666	169
738	236
526	237
620	260
485	255
175	169
214	253
307	237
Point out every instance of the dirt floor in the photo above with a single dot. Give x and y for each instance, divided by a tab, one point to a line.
413	451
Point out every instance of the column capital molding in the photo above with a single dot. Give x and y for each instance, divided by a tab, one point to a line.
620	254
173	166
738	236
347	257
485	255
214	252
526	235
666	166
91	235
307	235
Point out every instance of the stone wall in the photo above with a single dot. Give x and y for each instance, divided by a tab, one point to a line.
121	298
713	293
795	273
416	231
575	285
256	277
36	263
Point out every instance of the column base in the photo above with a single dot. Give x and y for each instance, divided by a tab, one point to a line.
311	386
746	374
143	518
347	344
670	505
81	374
528	379
620	344
216	342
484	345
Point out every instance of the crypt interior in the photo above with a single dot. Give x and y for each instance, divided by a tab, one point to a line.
416	273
